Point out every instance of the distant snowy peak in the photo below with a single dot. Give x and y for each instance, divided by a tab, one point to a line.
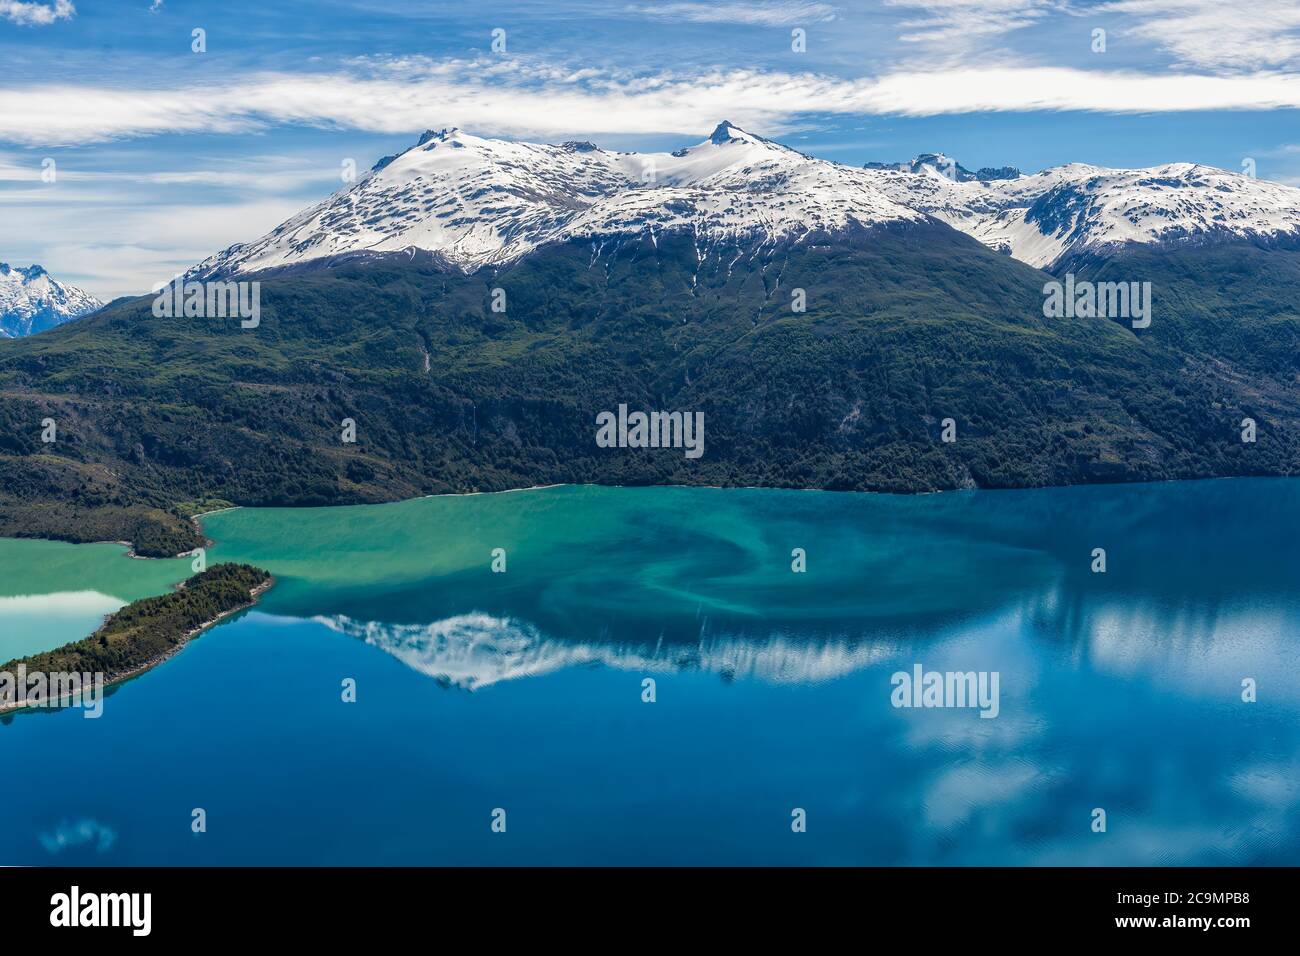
471	202
1046	218
949	168
475	201
31	300
1167	203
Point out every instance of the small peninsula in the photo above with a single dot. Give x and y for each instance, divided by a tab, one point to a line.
146	632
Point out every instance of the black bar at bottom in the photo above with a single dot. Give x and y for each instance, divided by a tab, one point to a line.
333	905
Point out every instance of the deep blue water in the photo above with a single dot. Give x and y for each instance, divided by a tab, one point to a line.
522	690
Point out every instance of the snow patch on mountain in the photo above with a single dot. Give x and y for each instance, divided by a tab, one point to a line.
31	300
476	201
1048	217
472	202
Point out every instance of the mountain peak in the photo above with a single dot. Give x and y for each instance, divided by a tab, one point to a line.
438	134
32	271
28	305
949	168
722	132
727	131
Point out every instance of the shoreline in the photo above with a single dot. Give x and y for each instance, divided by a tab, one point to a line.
209	542
137	670
772	488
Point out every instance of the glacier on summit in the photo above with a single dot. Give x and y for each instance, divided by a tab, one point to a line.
473	202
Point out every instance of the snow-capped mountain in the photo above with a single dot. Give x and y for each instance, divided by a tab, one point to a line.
471	202
949	167
477	201
1048	217
32	300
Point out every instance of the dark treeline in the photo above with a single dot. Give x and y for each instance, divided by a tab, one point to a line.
147	630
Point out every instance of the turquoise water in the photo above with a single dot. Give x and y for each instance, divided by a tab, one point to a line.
52	592
522	690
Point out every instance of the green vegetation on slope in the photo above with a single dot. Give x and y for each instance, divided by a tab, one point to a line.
904	327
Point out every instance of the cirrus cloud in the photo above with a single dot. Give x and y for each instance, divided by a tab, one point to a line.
540	100
759	14
1213	34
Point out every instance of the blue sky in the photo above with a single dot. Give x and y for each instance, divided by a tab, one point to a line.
163	155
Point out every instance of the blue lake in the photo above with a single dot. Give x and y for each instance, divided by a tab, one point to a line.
523	691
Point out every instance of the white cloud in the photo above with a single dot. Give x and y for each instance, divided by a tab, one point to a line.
118	231
1215	34
111	250
964	23
251	175
759	14
543	101
1204	34
1062	88
36	14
